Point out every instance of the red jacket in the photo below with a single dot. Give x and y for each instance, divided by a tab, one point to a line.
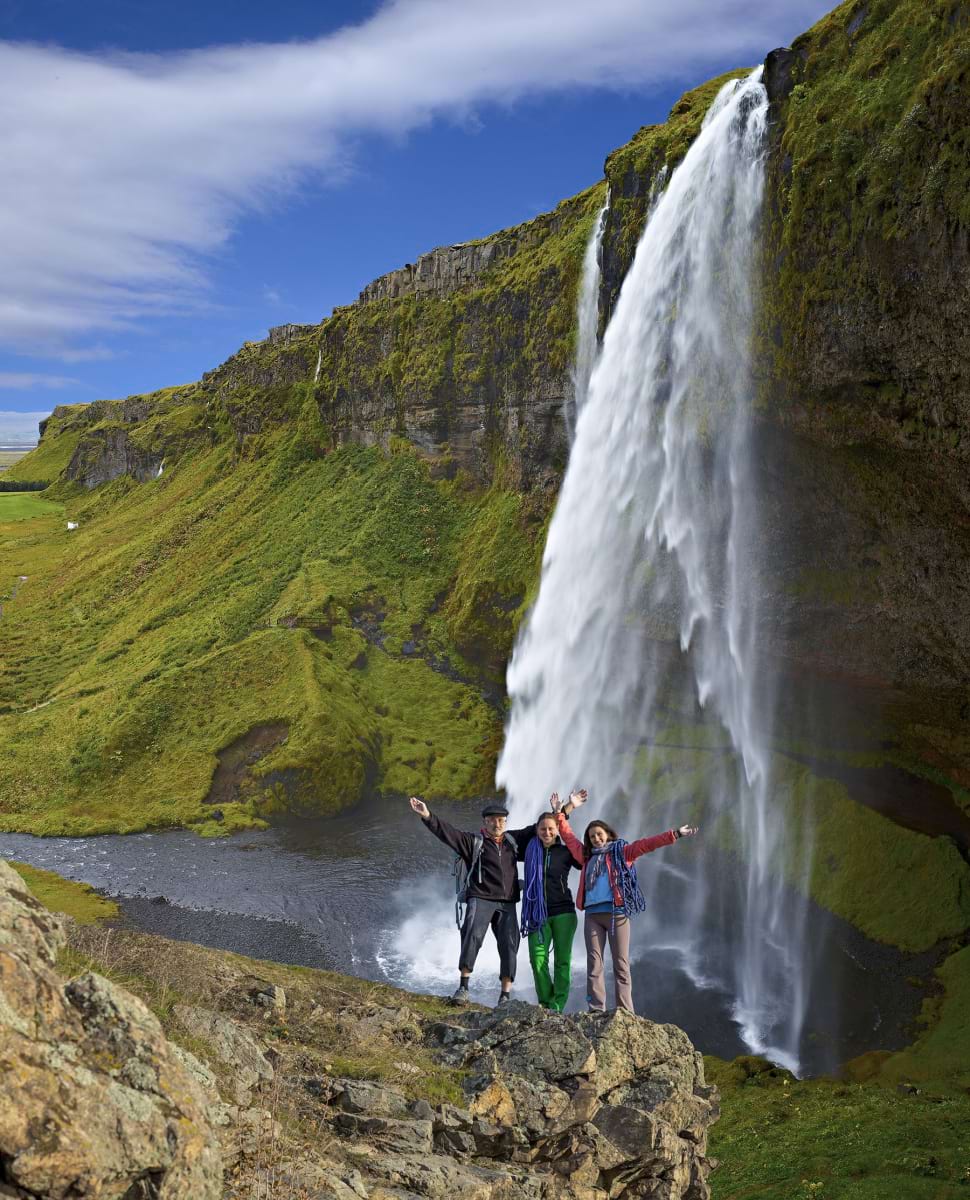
631	852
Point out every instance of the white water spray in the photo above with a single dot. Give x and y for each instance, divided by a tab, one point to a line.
587	323
647	618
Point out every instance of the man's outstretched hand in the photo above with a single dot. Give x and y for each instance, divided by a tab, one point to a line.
420	807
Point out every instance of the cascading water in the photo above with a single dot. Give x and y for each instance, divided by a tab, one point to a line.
637	674
587	323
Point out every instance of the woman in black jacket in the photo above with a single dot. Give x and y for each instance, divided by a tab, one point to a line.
548	912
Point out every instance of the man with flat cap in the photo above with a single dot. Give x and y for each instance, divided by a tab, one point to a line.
491	858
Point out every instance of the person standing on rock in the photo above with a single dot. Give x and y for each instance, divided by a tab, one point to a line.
491	858
610	895
548	913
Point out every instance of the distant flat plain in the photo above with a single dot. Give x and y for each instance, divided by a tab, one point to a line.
9	456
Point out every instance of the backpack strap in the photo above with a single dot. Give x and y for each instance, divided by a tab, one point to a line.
463	874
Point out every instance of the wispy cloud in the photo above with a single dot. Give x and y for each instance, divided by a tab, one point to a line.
84	354
24	381
20	427
121	173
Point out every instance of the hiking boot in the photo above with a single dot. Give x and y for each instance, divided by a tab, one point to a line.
461	996
503	998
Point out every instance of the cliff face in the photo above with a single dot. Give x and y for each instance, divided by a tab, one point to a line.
868	227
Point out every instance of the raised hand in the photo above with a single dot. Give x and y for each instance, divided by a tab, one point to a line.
554	802
420	807
579	797
686	830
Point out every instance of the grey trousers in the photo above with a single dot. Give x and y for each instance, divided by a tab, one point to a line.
501	917
597	929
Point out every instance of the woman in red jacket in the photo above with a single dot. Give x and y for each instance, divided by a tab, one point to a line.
610	894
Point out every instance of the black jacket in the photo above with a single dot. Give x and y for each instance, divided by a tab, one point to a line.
559	862
499	869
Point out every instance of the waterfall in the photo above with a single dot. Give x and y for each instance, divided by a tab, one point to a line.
638	673
587	323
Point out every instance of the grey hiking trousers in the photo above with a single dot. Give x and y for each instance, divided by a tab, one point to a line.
501	916
597	928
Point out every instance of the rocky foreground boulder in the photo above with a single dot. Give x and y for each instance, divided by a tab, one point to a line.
329	1087
94	1100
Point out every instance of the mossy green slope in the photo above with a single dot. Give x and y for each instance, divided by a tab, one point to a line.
184	612
820	1139
895	1125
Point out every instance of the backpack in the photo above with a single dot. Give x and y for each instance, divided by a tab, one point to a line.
463	872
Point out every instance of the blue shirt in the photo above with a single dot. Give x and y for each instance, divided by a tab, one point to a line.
599	896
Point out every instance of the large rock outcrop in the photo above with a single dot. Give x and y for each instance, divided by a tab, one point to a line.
607	1104
95	1101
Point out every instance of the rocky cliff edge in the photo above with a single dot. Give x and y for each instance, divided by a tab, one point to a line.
98	1099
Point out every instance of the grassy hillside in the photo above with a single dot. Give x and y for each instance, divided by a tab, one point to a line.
313	595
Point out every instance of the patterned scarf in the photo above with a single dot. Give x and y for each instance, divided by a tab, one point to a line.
624	875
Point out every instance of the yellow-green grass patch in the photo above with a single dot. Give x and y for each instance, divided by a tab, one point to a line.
62	895
21	506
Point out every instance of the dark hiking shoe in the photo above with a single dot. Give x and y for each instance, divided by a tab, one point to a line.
503	998
461	996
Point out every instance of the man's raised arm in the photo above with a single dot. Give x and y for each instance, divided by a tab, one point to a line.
462	843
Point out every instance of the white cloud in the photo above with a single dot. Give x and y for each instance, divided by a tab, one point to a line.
122	172
20	427
84	354
25	381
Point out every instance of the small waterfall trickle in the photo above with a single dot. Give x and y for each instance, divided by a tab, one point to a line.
638	673
587	323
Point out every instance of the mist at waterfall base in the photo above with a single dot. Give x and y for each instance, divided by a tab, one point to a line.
653	544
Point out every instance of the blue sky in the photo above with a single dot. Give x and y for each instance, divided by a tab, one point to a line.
178	177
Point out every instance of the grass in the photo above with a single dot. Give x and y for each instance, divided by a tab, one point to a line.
186	611
318	1034
22	506
897	1124
784	1139
62	895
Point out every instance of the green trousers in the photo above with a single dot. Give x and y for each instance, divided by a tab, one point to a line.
555	937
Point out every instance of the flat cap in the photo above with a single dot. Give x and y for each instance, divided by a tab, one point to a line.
495	809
